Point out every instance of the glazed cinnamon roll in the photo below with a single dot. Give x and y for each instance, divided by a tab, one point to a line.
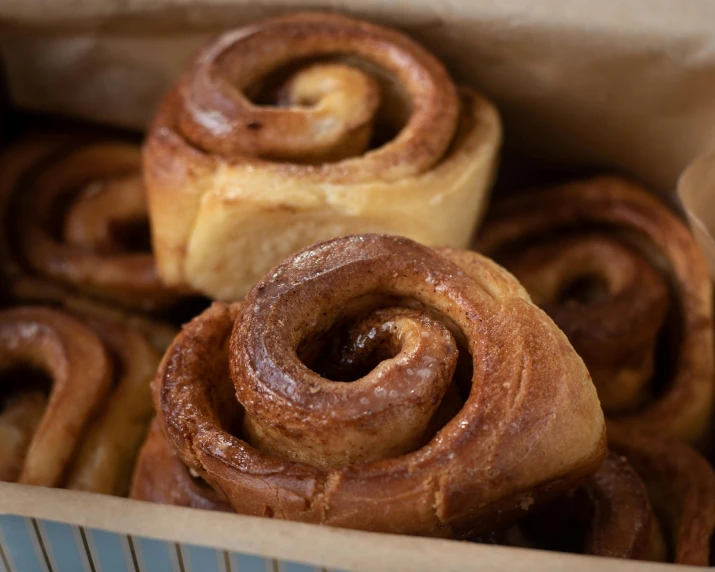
74	400
406	437
656	502
161	477
622	276
75	219
307	127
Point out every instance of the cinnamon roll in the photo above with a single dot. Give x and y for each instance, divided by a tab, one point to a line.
74	399
406	437
306	127
622	276
75	219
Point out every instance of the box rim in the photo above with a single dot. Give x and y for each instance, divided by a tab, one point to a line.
291	541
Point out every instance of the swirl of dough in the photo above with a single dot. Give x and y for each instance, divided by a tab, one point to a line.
402	438
329	102
84	431
75	220
305	127
623	277
80	368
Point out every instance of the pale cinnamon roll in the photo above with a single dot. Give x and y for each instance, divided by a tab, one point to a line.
306	127
623	277
406	437
74	399
75	222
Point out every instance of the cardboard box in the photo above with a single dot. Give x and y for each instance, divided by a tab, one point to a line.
624	85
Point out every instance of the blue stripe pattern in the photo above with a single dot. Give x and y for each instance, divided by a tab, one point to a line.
64	548
108	550
295	567
247	563
199	558
111	552
154	554
19	544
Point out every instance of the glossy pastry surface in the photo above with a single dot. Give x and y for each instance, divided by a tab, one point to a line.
405	442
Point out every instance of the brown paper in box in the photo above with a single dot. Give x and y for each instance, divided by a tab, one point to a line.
696	190
615	84
623	84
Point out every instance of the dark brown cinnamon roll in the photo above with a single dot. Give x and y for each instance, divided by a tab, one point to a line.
622	276
608	515
75	221
653	499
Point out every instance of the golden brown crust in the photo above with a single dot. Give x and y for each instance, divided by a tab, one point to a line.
216	116
504	450
161	477
631	251
85	435
68	214
221	169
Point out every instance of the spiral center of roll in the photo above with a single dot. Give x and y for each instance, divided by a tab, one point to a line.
109	216
399	364
327	110
350	350
583	289
337	308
